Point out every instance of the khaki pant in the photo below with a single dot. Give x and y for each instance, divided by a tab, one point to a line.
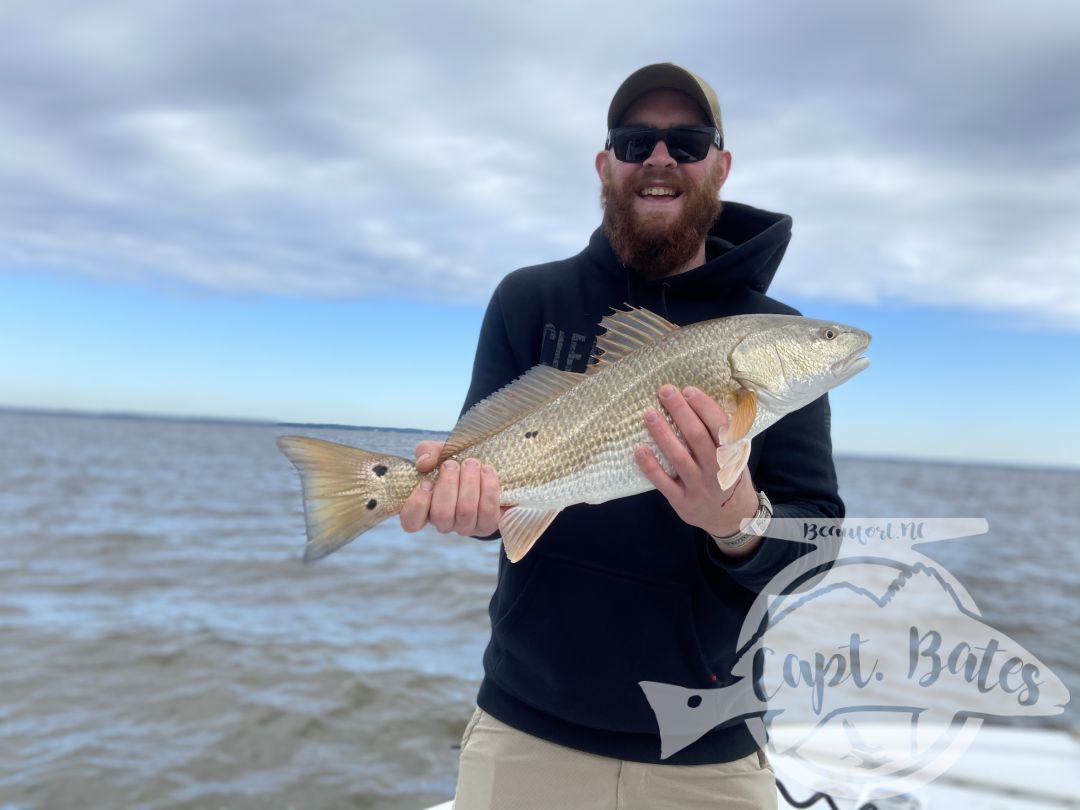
502	768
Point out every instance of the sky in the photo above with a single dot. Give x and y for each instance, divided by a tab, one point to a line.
297	212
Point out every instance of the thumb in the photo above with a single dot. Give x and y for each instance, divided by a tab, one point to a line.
427	455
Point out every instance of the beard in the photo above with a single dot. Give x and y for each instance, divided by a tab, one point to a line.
653	245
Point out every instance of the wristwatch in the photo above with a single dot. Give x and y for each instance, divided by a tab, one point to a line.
757	526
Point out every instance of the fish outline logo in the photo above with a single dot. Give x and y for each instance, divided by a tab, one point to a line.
855	740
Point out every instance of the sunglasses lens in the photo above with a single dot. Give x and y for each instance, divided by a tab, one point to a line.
684	145
688	145
634	145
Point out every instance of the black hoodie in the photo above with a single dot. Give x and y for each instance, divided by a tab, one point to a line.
625	591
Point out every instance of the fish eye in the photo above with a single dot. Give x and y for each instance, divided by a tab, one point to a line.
828	333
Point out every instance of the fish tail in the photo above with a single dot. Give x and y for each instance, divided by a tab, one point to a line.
346	490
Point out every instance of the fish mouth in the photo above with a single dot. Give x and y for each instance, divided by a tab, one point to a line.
847	368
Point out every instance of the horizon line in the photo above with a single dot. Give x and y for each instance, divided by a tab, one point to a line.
255	422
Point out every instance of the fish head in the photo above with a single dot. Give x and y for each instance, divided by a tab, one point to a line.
789	361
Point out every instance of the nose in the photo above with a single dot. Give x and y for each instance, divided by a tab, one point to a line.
660	156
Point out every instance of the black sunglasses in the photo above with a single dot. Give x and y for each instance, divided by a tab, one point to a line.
684	144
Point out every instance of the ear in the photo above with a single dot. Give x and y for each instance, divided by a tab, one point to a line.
601	162
725	161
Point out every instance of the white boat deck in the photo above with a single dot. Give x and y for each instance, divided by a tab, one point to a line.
1005	769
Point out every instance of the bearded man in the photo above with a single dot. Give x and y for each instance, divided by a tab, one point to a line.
652	587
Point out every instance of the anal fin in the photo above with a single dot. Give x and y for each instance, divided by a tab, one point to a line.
521	526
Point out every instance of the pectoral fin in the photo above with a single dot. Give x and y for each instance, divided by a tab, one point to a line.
521	526
741	408
732	459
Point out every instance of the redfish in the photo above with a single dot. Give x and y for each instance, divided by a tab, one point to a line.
558	438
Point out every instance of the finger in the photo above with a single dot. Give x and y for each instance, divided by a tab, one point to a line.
468	499
709	412
670	447
488	514
444	498
658	477
427	455
414	512
695	433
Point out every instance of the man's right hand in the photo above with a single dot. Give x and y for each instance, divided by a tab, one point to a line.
463	499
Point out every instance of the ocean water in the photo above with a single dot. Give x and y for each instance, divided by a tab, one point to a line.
161	645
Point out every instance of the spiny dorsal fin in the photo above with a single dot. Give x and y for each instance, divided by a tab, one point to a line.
533	389
626	331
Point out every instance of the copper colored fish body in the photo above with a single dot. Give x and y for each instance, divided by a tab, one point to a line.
558	438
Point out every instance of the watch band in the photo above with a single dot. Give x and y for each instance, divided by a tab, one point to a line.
755	528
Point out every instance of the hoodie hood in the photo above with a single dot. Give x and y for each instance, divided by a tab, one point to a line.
743	250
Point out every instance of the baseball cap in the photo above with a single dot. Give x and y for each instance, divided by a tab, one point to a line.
664	76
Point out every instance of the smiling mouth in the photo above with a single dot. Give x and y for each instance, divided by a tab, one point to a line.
659	193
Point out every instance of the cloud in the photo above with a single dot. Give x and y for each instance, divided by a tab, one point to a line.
929	152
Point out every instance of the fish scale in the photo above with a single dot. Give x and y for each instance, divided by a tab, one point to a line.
558	438
592	456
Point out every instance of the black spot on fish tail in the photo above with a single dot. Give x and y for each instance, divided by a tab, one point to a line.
531	434
379	470
372	503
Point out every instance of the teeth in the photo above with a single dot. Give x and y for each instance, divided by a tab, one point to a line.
658	191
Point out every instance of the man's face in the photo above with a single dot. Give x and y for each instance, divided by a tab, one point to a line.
657	213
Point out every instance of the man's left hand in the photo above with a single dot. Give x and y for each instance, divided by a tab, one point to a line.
694	492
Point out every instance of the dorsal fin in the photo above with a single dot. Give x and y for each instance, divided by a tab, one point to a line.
533	389
626	331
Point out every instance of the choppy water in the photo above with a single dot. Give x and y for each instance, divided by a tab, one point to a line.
161	645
